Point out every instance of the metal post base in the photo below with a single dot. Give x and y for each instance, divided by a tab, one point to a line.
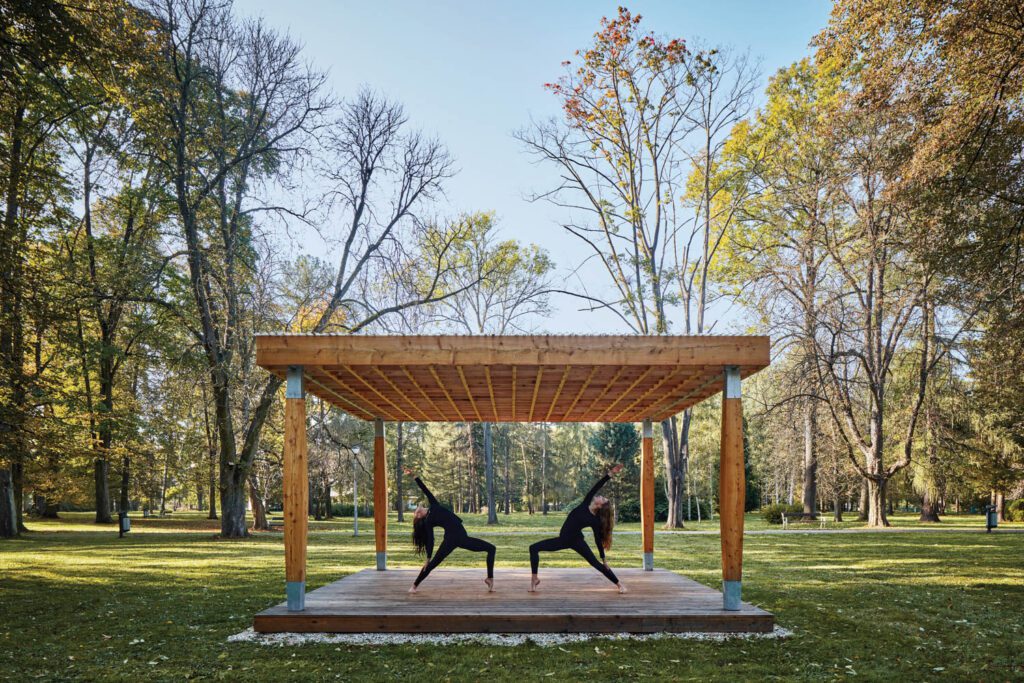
382	561
731	595
648	562
296	595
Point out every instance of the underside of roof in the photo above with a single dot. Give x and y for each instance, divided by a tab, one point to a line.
529	378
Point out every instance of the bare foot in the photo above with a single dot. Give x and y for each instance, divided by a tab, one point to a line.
413	589
534	582
490	584
622	588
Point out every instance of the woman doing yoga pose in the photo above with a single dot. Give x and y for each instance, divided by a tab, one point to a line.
423	522
596	512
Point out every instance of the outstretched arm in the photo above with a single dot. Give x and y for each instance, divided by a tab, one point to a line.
426	491
597	487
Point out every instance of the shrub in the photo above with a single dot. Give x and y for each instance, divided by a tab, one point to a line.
345	510
1015	510
773	513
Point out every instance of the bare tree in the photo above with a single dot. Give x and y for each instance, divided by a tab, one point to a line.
236	108
645	121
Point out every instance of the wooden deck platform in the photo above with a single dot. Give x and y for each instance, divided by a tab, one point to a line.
569	600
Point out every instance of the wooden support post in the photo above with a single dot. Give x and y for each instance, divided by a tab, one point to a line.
647	494
380	495
296	490
731	490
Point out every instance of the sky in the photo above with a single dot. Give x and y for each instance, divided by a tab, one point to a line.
472	73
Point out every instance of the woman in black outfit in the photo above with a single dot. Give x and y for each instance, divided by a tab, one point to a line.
595	512
423	522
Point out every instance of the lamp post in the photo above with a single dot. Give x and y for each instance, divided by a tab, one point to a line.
355	491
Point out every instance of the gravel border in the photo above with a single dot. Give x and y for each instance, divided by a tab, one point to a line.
497	639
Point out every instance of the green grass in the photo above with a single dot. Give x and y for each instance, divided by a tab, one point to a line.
76	602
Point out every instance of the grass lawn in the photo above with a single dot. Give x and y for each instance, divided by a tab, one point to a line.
76	602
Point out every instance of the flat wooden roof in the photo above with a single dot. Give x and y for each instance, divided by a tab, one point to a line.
528	378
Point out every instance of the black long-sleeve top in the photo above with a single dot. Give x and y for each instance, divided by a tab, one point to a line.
580	517
438	515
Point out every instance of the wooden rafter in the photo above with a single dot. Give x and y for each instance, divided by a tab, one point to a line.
374	389
446	394
579	394
354	408
654	387
558	392
423	393
641	378
536	388
490	390
514	393
469	393
398	390
383	412
605	390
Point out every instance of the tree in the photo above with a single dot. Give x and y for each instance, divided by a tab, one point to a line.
618	443
503	289
783	166
645	120
236	108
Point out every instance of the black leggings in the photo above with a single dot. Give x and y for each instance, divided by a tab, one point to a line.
578	544
449	544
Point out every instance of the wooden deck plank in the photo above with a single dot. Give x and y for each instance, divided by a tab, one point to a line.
569	600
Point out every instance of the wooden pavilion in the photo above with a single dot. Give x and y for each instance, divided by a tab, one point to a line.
539	378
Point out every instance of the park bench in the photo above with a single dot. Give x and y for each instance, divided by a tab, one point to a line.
822	521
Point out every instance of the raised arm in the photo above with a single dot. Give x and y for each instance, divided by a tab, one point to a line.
597	487
426	491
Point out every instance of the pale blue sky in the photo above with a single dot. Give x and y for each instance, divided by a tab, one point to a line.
472	73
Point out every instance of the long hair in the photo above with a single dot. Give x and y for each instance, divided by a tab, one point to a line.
420	533
607	520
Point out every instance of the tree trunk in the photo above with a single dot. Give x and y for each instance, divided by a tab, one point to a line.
864	506
232	504
544	472
124	502
876	496
508	476
492	512
101	472
399	453
999	500
527	498
8	513
259	509
810	497
929	508
837	514
676	457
